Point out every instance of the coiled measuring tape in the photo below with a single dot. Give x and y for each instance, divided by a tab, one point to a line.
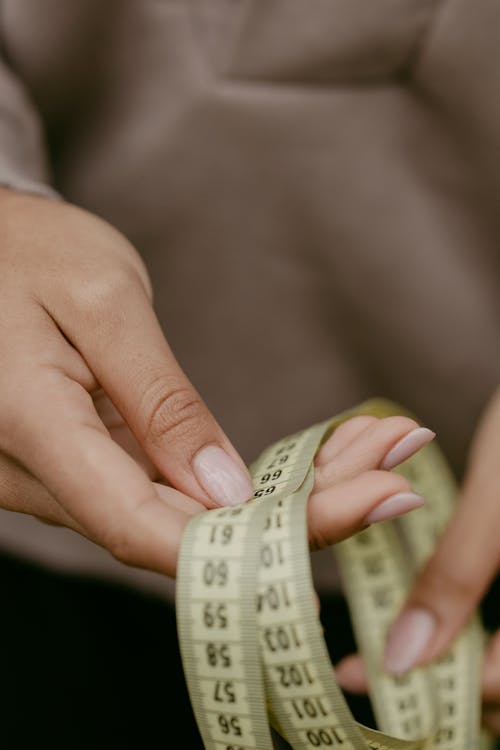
251	641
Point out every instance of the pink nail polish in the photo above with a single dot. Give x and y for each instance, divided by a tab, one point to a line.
221	477
394	506
407	446
408	639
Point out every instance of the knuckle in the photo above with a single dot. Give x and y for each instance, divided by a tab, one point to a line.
104	292
117	540
173	411
324	475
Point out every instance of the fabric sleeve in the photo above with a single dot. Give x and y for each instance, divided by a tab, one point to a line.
24	163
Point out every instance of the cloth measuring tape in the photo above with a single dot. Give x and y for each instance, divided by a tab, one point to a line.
251	641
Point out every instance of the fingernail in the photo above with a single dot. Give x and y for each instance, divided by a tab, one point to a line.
408	639
221	477
407	446
394	506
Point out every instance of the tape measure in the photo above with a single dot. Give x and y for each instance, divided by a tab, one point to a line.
252	643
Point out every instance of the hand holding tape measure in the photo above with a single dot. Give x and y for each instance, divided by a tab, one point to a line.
251	641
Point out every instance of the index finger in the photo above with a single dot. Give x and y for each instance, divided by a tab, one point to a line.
112	323
64	444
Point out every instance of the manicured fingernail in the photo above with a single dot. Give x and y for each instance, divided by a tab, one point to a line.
221	477
407	446
408	639
394	506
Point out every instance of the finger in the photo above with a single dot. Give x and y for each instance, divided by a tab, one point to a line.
339	511
454	580
99	486
491	671
176	500
21	492
115	329
351	674
381	443
342	436
121	434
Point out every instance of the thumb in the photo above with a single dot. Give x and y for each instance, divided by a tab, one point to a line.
465	561
122	342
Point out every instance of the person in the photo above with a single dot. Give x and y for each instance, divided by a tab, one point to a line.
312	197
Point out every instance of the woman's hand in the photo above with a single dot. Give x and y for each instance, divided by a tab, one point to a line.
353	484
101	431
93	405
453	582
